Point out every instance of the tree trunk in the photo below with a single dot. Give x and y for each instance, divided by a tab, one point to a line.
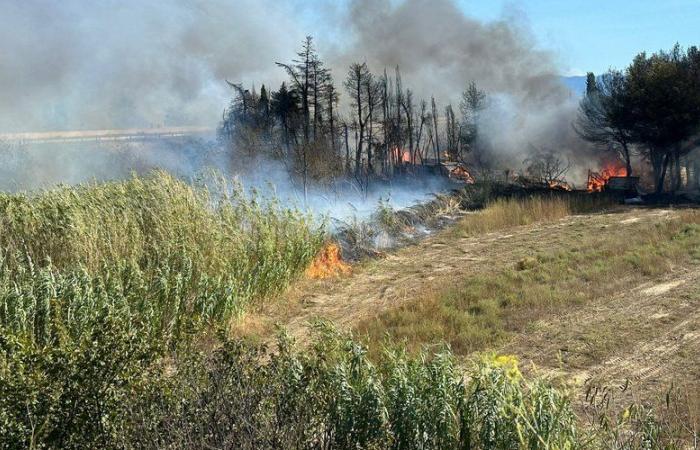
677	181
411	151
332	125
437	140
305	174
347	150
661	177
628	162
370	135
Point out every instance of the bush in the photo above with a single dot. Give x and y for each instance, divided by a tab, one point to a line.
334	397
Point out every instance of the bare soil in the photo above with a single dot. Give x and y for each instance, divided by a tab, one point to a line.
647	333
647	337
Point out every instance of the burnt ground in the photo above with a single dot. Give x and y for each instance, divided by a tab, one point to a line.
648	332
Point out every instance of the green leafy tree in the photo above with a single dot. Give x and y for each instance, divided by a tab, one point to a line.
604	118
664	107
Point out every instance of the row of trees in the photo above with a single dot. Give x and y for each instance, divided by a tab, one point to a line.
385	129
651	109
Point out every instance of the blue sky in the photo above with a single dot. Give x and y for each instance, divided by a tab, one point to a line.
593	35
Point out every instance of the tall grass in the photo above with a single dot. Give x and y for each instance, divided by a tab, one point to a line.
154	249
330	396
510	212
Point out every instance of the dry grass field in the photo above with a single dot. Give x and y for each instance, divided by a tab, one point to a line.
596	299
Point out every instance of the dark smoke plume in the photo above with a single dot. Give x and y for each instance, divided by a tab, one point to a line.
439	50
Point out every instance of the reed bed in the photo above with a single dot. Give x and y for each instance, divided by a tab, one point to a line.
154	250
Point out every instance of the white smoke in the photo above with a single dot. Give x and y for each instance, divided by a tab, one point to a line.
129	63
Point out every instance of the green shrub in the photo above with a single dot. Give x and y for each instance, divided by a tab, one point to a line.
334	397
155	249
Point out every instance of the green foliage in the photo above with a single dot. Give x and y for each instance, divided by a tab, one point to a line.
153	250
114	389
72	394
334	397
653	107
99	283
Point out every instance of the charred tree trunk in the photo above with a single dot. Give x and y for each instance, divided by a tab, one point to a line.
436	138
331	118
387	160
677	180
371	101
628	159
347	150
358	148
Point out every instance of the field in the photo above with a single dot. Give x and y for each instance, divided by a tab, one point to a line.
598	300
150	313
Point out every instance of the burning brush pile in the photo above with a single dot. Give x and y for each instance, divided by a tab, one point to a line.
389	228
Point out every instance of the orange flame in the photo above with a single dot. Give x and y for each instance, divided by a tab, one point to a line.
460	173
598	180
402	155
558	185
328	263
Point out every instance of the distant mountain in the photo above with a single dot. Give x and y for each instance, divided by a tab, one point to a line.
576	84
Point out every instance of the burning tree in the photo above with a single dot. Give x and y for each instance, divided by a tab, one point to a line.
386	127
653	107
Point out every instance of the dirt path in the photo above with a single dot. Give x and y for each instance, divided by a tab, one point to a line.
388	282
649	336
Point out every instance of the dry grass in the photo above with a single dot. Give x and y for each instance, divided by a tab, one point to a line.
511	212
159	247
481	310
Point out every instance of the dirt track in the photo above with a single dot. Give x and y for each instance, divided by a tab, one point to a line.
386	282
649	334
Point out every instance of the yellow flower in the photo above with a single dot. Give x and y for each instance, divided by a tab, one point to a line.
509	364
625	414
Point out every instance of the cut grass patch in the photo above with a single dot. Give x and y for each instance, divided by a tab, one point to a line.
480	311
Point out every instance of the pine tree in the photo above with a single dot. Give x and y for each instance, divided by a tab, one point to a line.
591	85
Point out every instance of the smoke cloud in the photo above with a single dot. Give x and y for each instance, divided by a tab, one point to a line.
129	63
439	50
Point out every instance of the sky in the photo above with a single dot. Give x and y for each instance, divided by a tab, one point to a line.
77	64
594	35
